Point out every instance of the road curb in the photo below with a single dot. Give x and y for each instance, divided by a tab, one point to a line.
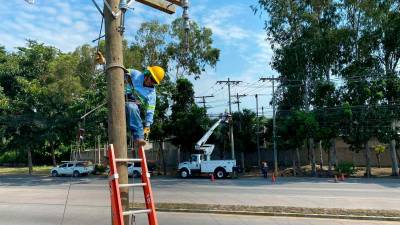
324	216
351	214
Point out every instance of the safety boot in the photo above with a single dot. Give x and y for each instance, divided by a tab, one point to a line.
140	142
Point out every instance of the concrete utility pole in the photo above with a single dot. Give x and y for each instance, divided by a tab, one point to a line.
237	96
204	100
228	82
115	94
273	121
238	106
258	132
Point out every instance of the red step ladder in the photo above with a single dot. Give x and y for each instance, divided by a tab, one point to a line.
116	205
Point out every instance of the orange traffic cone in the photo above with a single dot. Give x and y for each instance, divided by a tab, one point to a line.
212	178
273	178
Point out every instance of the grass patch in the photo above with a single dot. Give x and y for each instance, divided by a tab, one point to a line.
37	170
392	215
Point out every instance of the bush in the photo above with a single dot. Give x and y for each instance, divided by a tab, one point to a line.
8	157
345	167
99	168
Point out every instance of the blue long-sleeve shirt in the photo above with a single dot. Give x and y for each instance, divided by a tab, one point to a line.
146	96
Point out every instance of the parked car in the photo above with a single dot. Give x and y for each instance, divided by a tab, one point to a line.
74	168
135	169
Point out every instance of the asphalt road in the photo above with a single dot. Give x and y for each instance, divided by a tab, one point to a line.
42	200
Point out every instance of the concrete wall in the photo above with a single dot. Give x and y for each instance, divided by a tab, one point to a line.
284	156
343	154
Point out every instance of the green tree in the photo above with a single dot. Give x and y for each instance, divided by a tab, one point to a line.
199	55
245	126
188	121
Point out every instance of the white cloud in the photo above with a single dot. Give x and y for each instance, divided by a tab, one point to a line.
223	26
63	24
64	20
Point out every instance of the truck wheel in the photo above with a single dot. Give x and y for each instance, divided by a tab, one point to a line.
76	173
184	173
220	173
54	174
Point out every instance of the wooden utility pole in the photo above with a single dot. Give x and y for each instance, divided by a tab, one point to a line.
273	121
228	82
113	18
115	96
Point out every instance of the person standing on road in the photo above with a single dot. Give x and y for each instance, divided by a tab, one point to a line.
140	93
264	168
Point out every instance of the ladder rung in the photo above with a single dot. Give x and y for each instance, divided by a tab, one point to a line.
132	212
132	185
128	160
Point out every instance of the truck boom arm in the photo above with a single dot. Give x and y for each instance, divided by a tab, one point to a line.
207	135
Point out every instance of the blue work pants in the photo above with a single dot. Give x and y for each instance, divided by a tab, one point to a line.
134	120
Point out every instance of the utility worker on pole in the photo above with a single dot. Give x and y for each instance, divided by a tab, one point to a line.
140	93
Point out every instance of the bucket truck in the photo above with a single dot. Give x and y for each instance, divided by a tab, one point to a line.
201	163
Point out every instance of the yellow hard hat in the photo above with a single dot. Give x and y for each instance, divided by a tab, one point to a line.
157	73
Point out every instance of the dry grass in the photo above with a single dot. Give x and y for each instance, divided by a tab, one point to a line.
378	172
37	170
306	171
270	209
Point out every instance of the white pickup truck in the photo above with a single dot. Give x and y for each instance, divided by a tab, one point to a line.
74	168
202	164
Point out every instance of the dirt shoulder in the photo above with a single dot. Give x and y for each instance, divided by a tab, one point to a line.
388	215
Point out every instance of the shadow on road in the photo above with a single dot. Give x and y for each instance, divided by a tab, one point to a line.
160	181
36	180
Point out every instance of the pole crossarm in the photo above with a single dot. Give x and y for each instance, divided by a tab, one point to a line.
206	96
238	96
264	79
161	5
235	82
176	2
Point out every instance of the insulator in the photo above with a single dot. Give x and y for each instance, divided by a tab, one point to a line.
123	5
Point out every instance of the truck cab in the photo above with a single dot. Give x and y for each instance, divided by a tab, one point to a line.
190	167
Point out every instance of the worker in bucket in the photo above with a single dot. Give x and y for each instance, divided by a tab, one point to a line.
140	93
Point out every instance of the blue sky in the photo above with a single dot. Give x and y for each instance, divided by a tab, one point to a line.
245	54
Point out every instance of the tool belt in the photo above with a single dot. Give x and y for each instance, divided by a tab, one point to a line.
130	98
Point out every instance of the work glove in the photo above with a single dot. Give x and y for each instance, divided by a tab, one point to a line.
100	58
146	132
